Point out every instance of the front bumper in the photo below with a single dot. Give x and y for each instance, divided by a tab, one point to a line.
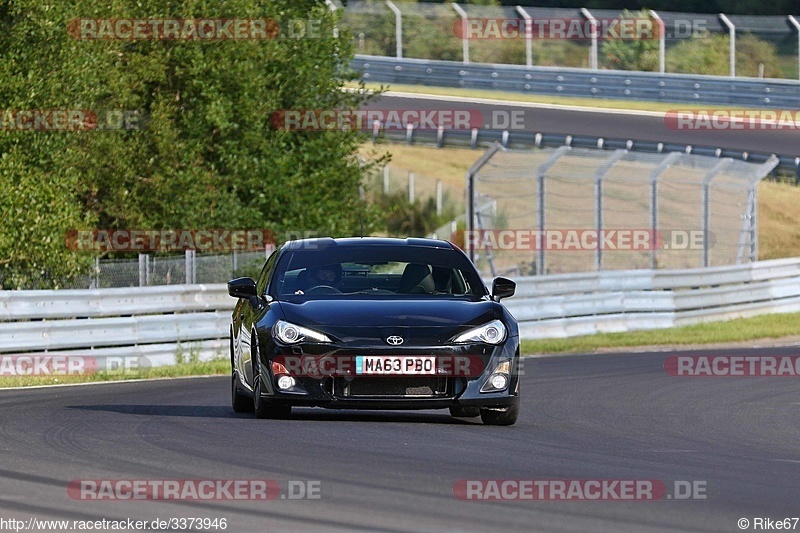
350	391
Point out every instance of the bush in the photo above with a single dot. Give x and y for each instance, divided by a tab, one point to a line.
710	55
633	54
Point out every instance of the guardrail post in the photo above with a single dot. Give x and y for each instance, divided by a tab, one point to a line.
796	25
662	42
732	32
528	35
598	203
654	177
593	25
464	31
398	28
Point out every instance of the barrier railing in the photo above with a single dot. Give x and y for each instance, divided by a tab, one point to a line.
559	81
156	324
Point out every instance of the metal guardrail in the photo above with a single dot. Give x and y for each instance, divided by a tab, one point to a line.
195	317
558	81
484	138
566	305
145	326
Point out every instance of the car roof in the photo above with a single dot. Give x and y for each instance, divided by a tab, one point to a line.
325	242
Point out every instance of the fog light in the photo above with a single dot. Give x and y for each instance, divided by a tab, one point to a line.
499	381
285	382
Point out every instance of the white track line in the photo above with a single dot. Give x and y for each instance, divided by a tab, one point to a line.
112	382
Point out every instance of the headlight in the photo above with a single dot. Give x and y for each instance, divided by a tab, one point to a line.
289	333
492	333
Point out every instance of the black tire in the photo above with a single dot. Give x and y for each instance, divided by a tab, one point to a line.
462	411
264	409
501	418
239	402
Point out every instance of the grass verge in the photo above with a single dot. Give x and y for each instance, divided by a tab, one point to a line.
763	327
221	366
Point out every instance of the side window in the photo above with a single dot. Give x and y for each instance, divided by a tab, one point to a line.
266	273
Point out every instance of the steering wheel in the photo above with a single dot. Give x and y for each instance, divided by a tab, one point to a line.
323	289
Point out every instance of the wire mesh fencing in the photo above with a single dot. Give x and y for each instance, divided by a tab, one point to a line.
567	37
189	268
577	210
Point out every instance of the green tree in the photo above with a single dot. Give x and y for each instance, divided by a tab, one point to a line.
633	54
207	154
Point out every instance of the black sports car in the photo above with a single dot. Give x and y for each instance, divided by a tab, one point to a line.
373	323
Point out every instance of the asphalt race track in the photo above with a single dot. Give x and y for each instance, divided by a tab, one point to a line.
606	123
615	416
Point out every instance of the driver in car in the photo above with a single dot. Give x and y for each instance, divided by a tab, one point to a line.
325	275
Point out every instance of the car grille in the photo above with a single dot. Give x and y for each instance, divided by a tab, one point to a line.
404	387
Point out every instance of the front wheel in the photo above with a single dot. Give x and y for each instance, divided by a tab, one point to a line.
264	409
239	402
501	418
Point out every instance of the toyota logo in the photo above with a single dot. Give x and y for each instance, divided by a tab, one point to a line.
395	340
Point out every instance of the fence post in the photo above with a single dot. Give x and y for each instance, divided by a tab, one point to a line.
142	270
796	25
386	179
471	173
189	262
332	8
593	24
754	226
410	187
398	28
528	36
464	32
438	198
706	207
662	42
732	32
541	174
598	203
654	177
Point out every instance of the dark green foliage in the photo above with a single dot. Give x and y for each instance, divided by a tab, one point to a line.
207	155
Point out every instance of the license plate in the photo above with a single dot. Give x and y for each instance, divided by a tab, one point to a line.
389	365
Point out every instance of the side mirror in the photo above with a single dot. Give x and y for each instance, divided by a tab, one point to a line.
503	288
242	288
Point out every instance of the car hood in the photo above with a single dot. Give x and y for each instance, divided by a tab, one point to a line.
342	316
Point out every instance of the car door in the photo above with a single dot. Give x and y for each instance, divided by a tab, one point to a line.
249	316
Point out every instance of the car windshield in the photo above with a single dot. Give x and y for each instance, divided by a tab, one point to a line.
376	270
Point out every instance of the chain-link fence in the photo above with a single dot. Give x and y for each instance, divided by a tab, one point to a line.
189	268
575	210
525	35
